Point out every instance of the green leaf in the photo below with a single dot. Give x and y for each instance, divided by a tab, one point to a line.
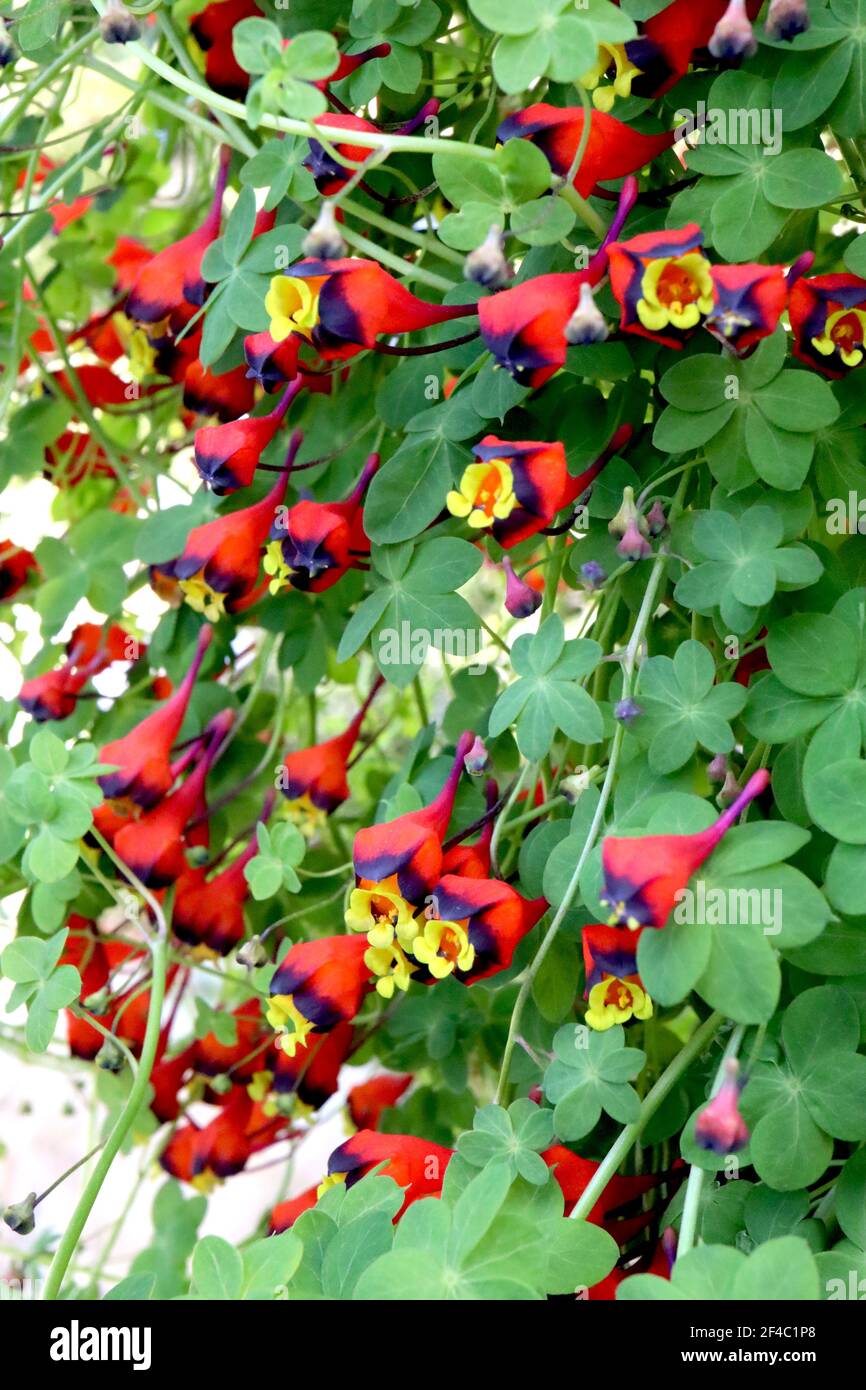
802	179
217	1270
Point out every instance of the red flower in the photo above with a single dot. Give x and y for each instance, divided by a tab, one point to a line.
226	456
748	301
204	1156
170	286
318	985
16	567
128	259
517	487
166	1079
227	395
143	755
670	40
210	914
313	544
220	562
612	150
285	1214
312	1073
614	990
573	1174
473	927
313	780
828	321
367	1100
242	1058
54	695
408	849
417	1165
524	327
342	306
720	1127
212	30
643	875
268	363
330	175
153	846
662	283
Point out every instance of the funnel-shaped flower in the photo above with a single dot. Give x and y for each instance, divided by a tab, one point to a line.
312	1071
16	567
720	1127
330	175
221	559
525	326
662	283
313	780
671	40
342	306
206	1156
828	321
417	1165
227	456
643	875
170	286
153	846
242	1058
271	364
54	694
748	301
614	991
612	150
228	395
212	30
367	1100
318	985
473	927
313	544
406	853
210	914
143	756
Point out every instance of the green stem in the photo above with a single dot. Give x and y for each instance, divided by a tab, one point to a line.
694	1186
123	1124
700	1039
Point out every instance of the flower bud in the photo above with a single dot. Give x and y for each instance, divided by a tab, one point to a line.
587	324
593	574
324	240
720	1127
97	1003
221	1084
521	600
633	545
733	36
7	47
19	1216
118	25
655	519
628	515
573	786
786	19
476	759
110	1057
627	711
252	954
730	789
486	265
717	770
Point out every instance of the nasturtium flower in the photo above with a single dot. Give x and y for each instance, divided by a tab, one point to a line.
271	364
313	544
143	756
285	1214
153	845
16	567
621	1193
344	305
663	284
614	991
314	779
382	914
211	30
828	321
482	923
485	493
228	395
170	286
312	1072
205	1157
317	985
720	1127
241	1058
644	874
612	150
227	456
524	327
366	1101
329	174
443	947
221	560
417	1165
748	301
209	913
89	650
667	44
408	849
